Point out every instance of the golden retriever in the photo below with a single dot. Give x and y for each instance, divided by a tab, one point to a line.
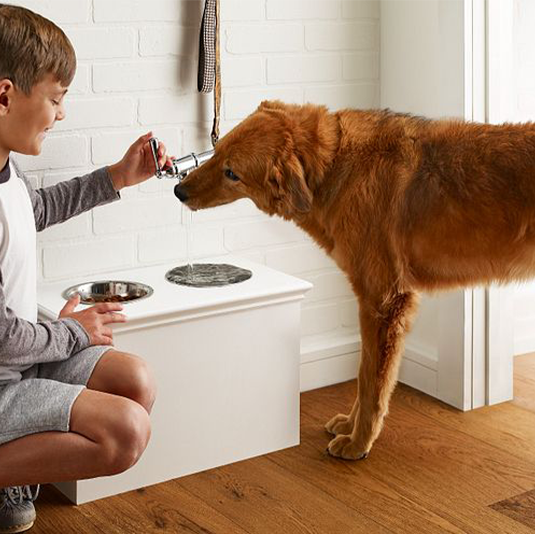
402	204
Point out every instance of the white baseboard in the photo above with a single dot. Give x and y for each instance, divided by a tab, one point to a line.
331	359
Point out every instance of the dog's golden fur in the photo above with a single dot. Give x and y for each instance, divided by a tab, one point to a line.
401	203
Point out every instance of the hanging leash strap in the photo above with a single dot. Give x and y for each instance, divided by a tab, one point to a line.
217	90
207	48
209	71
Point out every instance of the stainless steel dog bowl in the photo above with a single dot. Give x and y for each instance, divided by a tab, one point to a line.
108	291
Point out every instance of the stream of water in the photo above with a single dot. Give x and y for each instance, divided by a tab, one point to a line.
188	223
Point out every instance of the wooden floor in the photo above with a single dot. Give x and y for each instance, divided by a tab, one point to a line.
433	470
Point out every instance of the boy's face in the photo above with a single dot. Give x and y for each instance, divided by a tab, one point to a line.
26	119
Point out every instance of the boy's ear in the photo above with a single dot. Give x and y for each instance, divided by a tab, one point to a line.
6	88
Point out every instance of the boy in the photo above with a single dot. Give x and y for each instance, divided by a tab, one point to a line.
71	406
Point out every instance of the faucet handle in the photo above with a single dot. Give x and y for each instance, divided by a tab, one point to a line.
153	141
178	168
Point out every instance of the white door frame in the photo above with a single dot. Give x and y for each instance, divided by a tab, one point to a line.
487	372
492	317
499	109
488	98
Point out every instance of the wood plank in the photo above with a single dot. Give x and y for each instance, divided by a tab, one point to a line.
524	393
414	436
152	510
357	485
508	426
524	381
521	508
264	498
524	365
452	476
55	514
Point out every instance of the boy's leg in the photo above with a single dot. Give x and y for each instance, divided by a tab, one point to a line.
107	431
107	435
106	369
126	375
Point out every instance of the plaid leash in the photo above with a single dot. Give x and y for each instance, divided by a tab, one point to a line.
209	70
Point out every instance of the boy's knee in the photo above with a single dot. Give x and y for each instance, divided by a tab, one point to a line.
142	383
127	439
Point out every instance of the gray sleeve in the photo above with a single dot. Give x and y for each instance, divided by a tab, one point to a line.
25	343
58	203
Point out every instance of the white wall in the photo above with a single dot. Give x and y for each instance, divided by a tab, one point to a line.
522	110
137	71
429	83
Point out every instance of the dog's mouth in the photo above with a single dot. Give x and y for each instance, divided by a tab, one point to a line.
195	204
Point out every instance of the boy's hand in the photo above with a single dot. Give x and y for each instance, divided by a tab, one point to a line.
137	164
95	319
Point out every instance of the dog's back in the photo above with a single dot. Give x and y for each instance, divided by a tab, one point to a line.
453	200
467	210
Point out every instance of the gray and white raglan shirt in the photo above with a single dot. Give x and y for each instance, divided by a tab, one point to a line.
23	211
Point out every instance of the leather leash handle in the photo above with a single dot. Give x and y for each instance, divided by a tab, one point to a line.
206	68
209	69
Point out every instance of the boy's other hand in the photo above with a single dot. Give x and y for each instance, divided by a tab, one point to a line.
137	164
95	319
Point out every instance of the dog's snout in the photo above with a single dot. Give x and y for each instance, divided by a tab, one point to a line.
180	193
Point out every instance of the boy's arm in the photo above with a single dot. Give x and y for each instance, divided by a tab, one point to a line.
57	203
25	343
60	202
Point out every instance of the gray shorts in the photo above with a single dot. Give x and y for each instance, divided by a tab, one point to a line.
43	399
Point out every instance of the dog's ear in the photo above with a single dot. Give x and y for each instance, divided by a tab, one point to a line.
271	104
291	192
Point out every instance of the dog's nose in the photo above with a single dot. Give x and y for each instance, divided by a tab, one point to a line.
180	193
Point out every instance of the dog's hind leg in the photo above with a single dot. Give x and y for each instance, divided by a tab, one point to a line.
383	329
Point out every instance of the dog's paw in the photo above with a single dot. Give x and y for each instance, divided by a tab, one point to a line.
339	424
342	447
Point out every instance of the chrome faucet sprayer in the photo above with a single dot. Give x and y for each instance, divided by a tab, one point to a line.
180	167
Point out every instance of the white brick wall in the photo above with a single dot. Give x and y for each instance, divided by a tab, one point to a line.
62	12
342	36
143	11
232	10
102	43
137	68
167	40
311	9
313	68
84	113
258	38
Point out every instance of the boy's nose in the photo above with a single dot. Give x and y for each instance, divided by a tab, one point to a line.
60	114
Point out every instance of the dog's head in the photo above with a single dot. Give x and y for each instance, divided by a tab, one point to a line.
259	159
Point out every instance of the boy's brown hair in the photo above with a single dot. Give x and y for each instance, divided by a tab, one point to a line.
31	47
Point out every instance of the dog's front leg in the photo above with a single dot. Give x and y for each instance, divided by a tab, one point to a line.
383	329
341	423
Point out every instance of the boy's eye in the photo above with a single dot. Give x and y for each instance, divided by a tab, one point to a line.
231	175
55	102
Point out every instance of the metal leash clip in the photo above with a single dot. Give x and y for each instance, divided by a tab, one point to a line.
180	167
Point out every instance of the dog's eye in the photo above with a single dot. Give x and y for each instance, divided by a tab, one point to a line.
231	175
